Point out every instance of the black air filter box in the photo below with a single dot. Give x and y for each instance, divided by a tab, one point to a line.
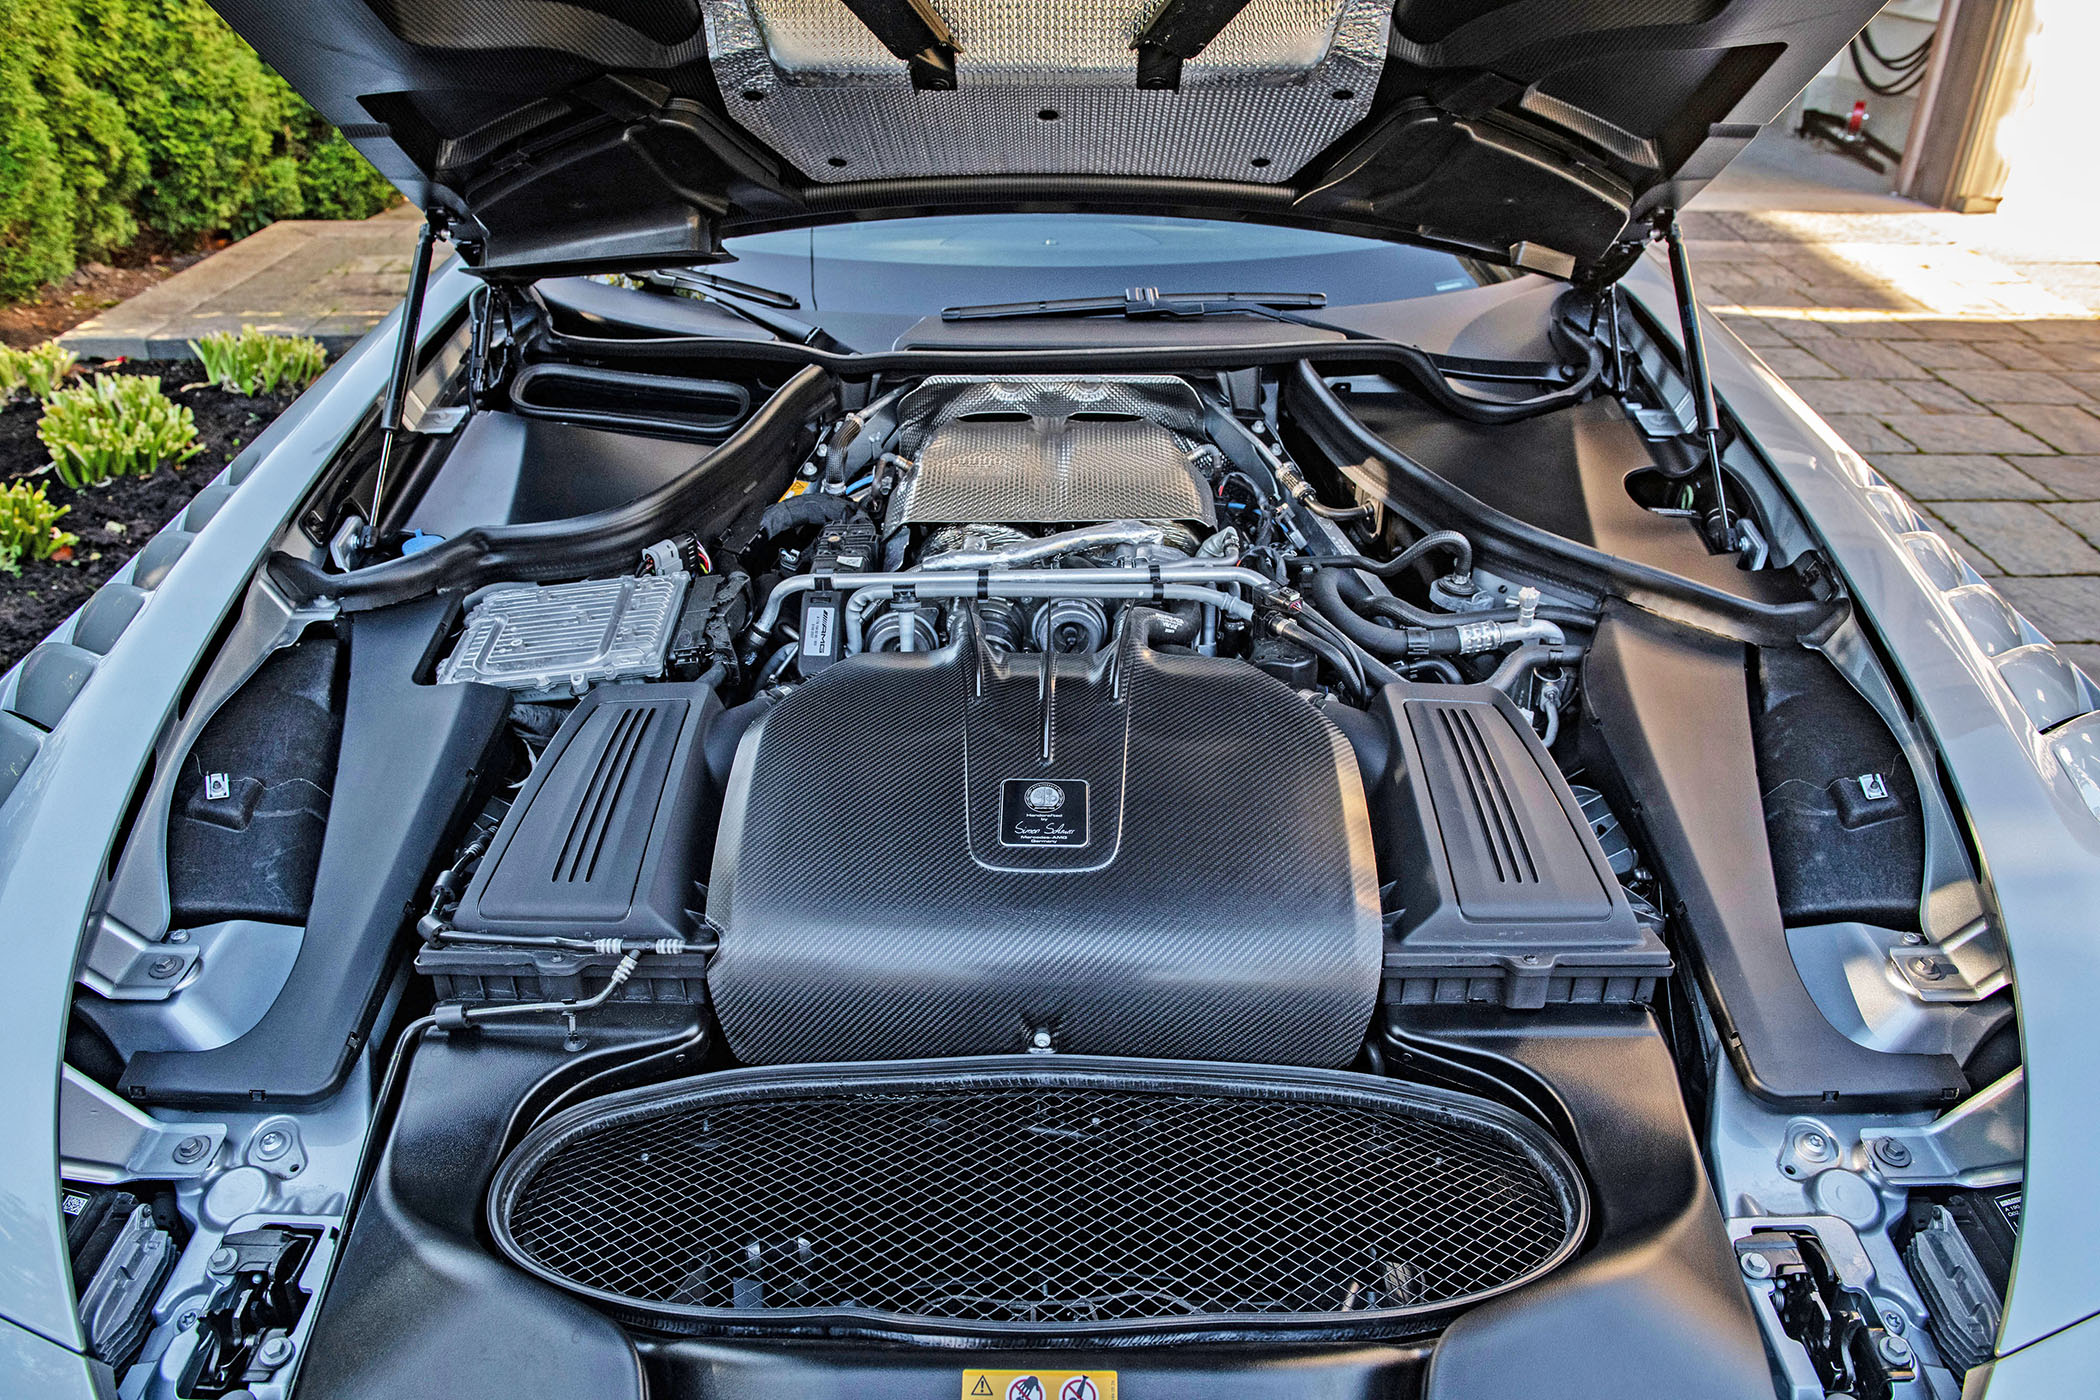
1497	889
606	838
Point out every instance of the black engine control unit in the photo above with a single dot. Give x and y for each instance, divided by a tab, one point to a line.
1498	890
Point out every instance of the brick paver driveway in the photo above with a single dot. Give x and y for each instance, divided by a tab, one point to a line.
1961	356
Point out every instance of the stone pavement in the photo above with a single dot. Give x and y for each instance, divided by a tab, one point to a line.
333	280
1961	356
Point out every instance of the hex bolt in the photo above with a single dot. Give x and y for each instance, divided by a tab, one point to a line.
272	1143
1893	1349
1756	1265
162	968
274	1351
1927	969
222	1260
191	1150
1892	1152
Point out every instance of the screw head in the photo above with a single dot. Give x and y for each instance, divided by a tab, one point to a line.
272	1143
1815	1147
1893	1349
186	1319
1756	1265
191	1150
1041	1040
181	935
222	1260
1912	940
1927	969
274	1351
1894	1321
162	968
1892	1152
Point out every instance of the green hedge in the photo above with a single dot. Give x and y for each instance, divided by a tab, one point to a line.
123	118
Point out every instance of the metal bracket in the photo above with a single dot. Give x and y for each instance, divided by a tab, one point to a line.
1966	967
122	965
1981	1143
912	31
1178	31
103	1139
1767	1247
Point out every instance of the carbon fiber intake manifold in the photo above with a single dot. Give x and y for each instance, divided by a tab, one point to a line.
961	852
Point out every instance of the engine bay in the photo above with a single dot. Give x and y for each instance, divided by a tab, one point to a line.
1270	857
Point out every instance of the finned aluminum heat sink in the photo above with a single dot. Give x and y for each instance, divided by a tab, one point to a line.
557	640
1048	90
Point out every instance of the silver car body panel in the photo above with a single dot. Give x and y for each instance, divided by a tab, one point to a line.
2037	840
57	826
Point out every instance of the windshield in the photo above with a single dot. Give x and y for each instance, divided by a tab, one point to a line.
894	271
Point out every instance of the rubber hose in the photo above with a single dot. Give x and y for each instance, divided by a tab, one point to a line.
1459	545
1528	658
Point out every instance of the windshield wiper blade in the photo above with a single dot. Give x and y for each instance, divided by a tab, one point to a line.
1140	302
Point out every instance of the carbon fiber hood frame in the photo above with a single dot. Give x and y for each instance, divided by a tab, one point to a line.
603	134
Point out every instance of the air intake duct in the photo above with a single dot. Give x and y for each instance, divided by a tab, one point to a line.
1030	1198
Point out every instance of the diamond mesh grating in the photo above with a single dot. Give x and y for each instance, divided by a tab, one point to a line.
1043	1204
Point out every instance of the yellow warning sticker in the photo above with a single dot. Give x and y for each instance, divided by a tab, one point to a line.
1039	1385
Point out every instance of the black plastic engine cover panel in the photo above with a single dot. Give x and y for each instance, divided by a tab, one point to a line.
1502	892
605	839
948	853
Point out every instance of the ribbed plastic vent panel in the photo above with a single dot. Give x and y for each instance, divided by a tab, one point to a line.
578	859
1033	1198
1495	818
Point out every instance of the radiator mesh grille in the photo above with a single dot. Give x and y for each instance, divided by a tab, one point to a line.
1050	1204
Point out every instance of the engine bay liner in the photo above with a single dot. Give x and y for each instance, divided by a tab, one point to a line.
1079	860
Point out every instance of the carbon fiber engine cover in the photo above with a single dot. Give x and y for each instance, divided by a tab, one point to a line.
963	853
1050	450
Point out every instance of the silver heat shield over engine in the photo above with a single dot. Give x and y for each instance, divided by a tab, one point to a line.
1039	450
1048	89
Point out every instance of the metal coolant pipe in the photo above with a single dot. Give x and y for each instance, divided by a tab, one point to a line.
865	600
1030	583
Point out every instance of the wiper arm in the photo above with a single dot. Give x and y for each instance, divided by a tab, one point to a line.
716	282
1140	302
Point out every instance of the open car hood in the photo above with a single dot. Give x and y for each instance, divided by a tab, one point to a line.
565	134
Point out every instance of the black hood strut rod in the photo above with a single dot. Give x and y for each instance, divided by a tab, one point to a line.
1695	369
390	413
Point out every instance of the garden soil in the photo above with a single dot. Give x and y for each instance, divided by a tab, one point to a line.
116	518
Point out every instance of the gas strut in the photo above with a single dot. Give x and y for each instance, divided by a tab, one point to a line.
390	412
1695	365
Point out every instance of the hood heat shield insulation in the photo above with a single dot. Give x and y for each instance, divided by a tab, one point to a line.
1048	89
1020	1196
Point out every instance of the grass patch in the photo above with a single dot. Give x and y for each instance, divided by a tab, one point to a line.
115	425
257	363
29	526
41	369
